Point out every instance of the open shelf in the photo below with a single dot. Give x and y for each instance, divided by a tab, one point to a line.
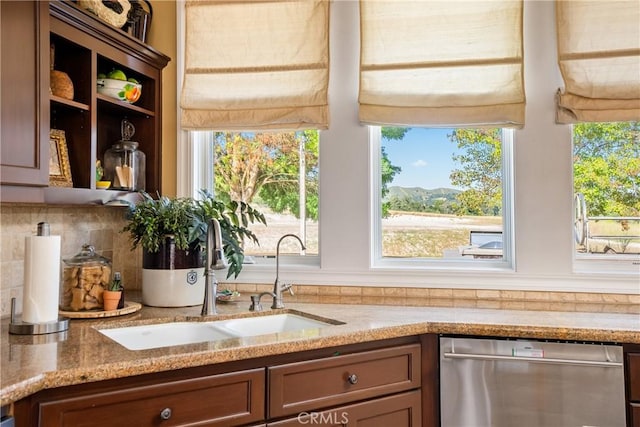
68	40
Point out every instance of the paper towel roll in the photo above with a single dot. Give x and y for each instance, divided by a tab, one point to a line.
41	292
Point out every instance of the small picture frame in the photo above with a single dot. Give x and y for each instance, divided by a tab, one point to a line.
59	169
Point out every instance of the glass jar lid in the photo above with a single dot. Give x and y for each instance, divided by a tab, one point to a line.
87	256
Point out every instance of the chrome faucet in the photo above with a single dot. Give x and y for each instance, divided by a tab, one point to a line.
277	289
215	261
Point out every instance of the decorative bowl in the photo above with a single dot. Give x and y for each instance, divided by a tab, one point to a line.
228	296
103	185
120	89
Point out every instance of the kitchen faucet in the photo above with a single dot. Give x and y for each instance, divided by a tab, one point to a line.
215	261
277	289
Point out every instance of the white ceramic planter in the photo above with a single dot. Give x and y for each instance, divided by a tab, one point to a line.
173	288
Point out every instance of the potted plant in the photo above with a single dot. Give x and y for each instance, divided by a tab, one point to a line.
112	294
172	233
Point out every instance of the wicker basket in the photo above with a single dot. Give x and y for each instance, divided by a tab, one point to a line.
61	84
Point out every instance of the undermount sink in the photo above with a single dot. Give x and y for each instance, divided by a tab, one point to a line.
146	337
165	334
262	325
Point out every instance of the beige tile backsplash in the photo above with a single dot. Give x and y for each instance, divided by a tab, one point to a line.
101	227
98	226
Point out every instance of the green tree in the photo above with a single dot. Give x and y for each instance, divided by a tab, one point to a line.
606	167
388	170
479	172
265	166
282	193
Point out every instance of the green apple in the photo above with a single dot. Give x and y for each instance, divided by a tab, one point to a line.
132	80
117	75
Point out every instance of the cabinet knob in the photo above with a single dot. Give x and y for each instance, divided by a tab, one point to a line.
353	379
165	414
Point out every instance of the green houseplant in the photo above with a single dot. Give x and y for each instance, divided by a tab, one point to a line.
172	234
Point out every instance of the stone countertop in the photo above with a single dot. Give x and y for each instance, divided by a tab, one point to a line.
82	354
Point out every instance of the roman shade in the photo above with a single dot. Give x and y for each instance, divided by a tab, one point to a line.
256	65
599	57
441	63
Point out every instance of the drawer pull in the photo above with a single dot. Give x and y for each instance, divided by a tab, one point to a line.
165	414
353	379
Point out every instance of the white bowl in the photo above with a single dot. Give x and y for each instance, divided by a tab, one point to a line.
120	89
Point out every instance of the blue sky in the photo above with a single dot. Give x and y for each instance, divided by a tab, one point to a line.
425	158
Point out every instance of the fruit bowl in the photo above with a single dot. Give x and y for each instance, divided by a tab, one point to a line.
120	89
103	185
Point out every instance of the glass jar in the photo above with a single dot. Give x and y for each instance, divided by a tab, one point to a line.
85	276
124	166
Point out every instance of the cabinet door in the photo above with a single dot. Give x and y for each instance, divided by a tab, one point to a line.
321	383
633	388
24	123
633	376
219	400
400	410
634	413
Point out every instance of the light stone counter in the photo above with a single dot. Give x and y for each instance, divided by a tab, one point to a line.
82	354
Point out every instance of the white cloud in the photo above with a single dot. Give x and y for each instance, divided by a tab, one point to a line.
419	163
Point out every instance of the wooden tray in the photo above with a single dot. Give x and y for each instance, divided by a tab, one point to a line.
129	307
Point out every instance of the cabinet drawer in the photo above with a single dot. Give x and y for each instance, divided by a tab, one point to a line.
634	413
399	410
304	386
219	400
633	360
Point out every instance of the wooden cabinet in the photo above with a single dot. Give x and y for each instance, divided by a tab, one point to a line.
397	410
371	384
225	400
84	46
24	114
632	379
316	384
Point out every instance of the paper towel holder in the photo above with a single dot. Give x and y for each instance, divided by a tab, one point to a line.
24	328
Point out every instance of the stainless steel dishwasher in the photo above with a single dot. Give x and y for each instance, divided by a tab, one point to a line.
528	383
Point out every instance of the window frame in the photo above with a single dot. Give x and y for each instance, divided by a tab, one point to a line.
378	261
593	263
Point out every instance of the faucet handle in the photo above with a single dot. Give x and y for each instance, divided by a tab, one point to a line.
288	287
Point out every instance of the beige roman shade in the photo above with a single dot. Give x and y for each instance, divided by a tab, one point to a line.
599	57
441	63
256	65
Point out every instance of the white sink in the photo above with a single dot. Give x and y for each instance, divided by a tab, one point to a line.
165	334
146	337
262	325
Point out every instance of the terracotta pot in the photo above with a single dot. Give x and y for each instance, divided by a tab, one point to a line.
111	300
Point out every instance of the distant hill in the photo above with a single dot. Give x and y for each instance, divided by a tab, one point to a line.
422	195
418	199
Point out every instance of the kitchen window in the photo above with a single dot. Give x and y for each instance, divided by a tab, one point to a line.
606	183
442	197
542	258
277	173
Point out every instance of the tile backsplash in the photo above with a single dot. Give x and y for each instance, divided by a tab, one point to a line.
99	226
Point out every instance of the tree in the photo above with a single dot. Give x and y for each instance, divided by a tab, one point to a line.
389	170
265	166
606	167
480	172
282	193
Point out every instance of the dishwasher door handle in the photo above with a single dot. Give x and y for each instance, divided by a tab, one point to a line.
496	357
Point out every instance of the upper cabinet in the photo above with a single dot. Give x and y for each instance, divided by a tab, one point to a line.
24	112
73	48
